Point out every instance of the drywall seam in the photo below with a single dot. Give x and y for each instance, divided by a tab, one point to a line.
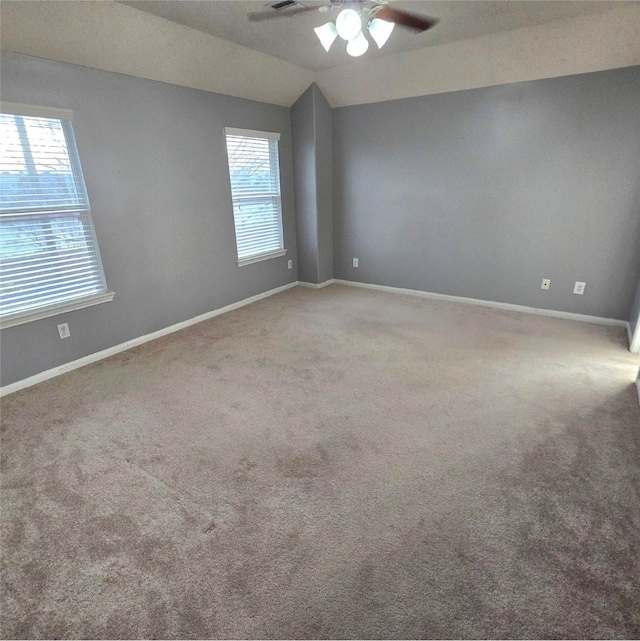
583	318
116	349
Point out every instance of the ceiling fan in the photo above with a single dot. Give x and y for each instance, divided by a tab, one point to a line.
379	17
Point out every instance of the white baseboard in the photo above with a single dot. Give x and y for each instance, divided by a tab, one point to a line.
116	349
583	318
316	285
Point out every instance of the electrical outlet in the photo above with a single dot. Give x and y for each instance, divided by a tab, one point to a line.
63	330
545	283
579	288
355	262
289	264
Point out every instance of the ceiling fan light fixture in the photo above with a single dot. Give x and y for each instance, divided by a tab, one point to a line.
327	33
348	24
380	31
358	45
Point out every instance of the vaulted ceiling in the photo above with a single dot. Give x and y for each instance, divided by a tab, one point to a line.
211	45
292	38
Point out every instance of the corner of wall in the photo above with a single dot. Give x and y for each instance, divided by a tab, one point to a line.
313	172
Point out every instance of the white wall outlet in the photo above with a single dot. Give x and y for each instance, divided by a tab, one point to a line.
355	262
63	330
545	283
579	288
289	264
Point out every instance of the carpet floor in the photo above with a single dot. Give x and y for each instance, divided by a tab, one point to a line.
334	463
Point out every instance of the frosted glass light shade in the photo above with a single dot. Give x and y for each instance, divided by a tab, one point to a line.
358	45
380	31
348	24
327	33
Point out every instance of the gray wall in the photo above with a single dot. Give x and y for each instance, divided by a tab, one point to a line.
634	317
304	154
154	161
480	193
311	126
483	193
324	180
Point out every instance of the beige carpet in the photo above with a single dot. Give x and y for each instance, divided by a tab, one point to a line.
332	463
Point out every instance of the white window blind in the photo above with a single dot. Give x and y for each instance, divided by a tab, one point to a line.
255	189
48	250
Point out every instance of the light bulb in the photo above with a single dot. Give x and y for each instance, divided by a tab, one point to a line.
327	33
358	45
348	24
380	31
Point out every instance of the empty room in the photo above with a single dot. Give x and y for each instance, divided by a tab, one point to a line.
320	319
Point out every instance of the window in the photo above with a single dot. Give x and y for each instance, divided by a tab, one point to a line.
255	189
49	257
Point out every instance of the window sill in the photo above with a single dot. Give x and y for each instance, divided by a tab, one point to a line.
55	310
261	257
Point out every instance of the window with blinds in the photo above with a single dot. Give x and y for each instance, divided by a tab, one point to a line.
255	190
48	250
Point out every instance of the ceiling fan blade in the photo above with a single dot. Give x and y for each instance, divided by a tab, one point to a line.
259	16
406	19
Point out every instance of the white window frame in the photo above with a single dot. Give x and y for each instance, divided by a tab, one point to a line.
72	304
268	135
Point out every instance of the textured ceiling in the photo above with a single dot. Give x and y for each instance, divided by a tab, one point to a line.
292	38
